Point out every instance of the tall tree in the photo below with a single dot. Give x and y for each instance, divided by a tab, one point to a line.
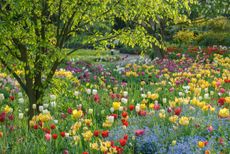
34	33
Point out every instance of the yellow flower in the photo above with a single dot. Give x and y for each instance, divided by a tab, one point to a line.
184	121
103	148
151	106
201	144
44	117
173	118
87	135
227	99
116	105
143	106
75	127
7	109
174	142
153	96
94	146
77	113
162	115
224	113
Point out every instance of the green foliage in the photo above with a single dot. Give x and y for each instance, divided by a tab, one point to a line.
184	37
213	38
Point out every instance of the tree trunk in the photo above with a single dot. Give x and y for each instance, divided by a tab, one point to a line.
158	52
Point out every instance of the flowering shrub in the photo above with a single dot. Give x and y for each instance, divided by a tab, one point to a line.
161	106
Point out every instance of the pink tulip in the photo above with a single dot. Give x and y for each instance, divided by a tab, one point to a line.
139	132
47	136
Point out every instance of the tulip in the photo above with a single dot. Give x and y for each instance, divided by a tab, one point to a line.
47	136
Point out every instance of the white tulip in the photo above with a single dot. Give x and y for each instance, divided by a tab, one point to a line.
90	111
2	97
20	116
125	93
111	119
94	91
46	105
34	106
52	97
88	91
20	100
53	104
41	108
124	100
112	109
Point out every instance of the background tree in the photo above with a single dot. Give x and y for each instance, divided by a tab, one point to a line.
35	33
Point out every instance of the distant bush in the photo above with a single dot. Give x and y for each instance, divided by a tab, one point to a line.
184	37
213	38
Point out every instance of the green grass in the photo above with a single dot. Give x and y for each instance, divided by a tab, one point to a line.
89	55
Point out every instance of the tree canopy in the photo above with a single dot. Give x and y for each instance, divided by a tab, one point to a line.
34	33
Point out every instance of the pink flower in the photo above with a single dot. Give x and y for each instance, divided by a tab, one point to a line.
47	136
139	132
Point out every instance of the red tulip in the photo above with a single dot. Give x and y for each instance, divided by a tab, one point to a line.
126	137
105	133
96	98
85	153
35	126
125	123
177	111
96	133
52	126
2	116
124	114
156	107
221	101
142	113
69	110
122	142
11	98
62	134
54	136
131	107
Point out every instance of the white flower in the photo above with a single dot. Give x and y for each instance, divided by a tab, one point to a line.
121	108
206	90
124	127
20	116
34	106
156	101
124	100
55	121
111	119
206	96
53	104
52	97
143	95
220	94
94	91
181	94
41	108
137	108
45	111
164	100
67	134
76	93
90	111
211	93
20	100
148	93
2	97
112	109
200	98
125	93
88	91
20	94
46	105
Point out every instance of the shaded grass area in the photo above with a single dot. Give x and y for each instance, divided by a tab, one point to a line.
92	56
